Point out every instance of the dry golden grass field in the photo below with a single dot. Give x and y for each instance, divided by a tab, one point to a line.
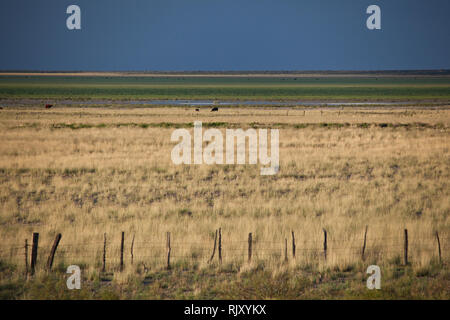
87	171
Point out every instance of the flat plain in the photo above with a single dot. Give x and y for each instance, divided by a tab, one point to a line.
252	87
89	170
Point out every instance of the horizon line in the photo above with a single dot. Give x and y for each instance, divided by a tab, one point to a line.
411	72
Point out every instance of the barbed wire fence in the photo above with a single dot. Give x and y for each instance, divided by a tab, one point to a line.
110	255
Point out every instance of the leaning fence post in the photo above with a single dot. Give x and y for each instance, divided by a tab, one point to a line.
132	245
53	251
214	249
104	253
439	247
249	247
220	245
293	244
34	251
325	243
26	257
364	244
121	250
168	250
406	248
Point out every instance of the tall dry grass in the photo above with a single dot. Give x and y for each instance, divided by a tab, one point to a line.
107	179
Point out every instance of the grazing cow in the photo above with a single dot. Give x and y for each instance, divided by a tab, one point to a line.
197	109
1	108
214	109
48	106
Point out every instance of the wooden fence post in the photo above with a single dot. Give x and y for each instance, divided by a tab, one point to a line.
26	258
34	251
104	253
168	250
439	247
214	249
364	244
220	245
285	250
121	250
53	251
250	247
132	245
293	244
406	248
325	247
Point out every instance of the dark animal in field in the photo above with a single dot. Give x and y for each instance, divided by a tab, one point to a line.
197	109
214	109
1	108
48	106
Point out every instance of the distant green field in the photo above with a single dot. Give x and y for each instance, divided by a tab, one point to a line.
230	88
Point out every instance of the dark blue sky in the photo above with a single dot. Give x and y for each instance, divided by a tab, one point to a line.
224	35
